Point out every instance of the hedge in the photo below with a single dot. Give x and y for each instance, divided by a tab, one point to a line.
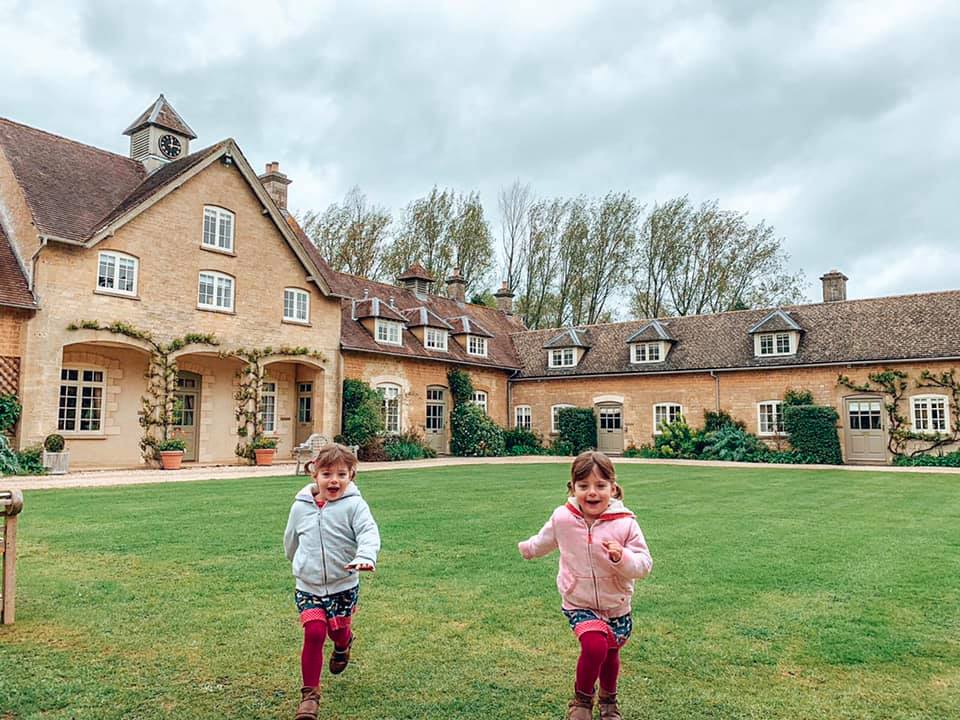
813	432
473	433
578	428
361	419
948	460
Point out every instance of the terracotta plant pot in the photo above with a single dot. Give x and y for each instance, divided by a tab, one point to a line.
265	455
171	459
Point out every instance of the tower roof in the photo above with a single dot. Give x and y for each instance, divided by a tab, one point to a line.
162	114
416	272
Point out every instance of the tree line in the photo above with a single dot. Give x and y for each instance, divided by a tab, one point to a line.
569	261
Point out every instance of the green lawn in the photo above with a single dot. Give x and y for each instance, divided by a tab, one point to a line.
775	594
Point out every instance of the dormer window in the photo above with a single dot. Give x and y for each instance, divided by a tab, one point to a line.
563	357
476	345
117	274
389	332
435	339
648	352
217	229
781	343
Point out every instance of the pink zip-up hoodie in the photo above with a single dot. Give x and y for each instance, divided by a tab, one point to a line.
588	579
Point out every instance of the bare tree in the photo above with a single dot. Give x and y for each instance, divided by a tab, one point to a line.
611	247
514	205
541	257
351	235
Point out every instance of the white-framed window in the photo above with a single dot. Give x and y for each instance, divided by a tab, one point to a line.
563	357
436	409
476	345
930	413
389	332
296	305
304	402
217	228
81	400
216	291
666	413
391	407
770	417
480	399
268	407
780	343
648	352
523	417
435	339
117	273
554	417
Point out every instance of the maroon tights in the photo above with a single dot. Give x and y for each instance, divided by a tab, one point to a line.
311	658
597	660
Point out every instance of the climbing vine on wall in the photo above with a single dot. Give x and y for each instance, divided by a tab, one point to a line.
893	384
158	408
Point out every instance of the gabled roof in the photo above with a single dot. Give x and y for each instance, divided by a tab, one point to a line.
465	325
376	308
424	317
777	321
161	113
570	337
416	272
651	332
906	327
14	289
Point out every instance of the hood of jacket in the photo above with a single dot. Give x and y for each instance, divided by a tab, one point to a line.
616	509
306	494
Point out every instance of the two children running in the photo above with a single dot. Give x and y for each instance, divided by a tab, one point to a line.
331	537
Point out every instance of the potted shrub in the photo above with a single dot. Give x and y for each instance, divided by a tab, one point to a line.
56	459
171	453
264	449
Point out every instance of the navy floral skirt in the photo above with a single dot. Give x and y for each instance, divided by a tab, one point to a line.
616	629
336	610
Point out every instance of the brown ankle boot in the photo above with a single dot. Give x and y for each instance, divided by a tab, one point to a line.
340	658
581	707
608	706
309	703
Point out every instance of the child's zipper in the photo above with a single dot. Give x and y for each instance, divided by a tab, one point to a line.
323	552
596	591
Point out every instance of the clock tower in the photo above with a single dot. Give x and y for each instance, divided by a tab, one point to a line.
159	135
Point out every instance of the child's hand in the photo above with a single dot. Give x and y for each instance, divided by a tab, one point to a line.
363	567
614	550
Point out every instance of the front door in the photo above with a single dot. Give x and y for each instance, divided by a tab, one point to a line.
866	439
186	413
304	411
610	428
436	424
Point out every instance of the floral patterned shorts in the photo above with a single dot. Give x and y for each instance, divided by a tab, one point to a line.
617	629
336	610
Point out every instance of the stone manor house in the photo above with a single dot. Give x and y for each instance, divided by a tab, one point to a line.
172	241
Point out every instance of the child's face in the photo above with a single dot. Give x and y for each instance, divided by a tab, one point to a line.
332	481
593	494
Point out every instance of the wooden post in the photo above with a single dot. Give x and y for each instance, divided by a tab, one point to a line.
11	503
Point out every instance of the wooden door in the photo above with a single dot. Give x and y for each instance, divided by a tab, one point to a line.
436	422
186	416
866	440
304	411
610	428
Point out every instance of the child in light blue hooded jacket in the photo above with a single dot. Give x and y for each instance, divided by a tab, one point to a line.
331	537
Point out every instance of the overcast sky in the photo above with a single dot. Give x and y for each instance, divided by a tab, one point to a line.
837	122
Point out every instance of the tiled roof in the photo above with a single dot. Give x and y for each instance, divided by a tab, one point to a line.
376	308
917	326
68	186
424	317
161	113
14	289
652	331
777	321
570	337
465	325
416	272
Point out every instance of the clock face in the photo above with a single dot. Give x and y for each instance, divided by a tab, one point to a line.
170	145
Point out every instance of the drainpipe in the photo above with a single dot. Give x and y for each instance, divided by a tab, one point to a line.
716	379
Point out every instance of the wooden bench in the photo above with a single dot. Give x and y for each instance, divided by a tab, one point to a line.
11	503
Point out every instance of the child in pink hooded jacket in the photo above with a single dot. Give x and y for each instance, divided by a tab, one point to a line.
602	553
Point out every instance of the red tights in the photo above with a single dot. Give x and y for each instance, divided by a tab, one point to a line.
597	660
311	658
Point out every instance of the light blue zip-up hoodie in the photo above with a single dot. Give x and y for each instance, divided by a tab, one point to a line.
322	541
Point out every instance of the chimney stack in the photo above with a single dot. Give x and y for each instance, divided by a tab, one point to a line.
834	286
504	299
275	183
456	286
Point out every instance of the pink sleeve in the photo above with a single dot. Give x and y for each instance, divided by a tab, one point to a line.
635	562
543	543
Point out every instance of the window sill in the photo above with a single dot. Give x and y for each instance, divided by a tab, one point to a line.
392	344
772	355
218	251
67	435
216	310
301	323
115	293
